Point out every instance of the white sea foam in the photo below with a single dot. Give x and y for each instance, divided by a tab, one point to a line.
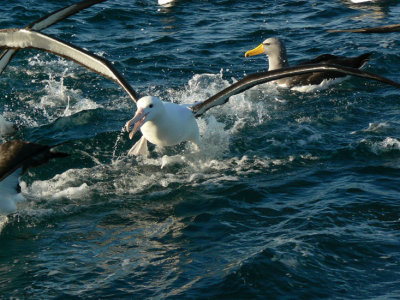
181	165
382	127
6	127
70	184
54	99
3	222
65	101
317	87
387	145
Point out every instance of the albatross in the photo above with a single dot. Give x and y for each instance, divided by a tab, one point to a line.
16	156
164	123
275	49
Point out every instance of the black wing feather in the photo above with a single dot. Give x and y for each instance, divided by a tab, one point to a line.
263	77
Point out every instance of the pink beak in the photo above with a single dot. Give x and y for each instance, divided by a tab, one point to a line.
139	118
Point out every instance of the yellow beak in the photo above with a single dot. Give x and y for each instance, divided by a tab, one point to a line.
255	51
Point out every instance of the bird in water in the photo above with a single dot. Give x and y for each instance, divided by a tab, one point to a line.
164	123
275	49
16	157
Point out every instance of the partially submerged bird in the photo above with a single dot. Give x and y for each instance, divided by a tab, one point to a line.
275	49
164	123
16	157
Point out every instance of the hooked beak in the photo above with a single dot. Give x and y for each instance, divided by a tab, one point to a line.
258	50
138	119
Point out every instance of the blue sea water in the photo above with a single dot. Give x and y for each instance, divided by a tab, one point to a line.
293	194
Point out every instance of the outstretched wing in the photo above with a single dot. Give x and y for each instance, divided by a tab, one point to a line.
23	38
16	153
263	77
46	21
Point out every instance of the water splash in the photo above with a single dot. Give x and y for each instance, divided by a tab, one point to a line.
3	222
117	142
166	167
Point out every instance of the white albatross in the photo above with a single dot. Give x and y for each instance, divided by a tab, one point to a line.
164	123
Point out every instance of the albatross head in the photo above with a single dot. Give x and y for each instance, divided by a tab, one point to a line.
148	108
275	49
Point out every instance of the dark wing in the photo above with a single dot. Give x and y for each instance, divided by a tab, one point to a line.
23	38
46	21
324	58
263	77
382	29
61	14
16	154
317	78
351	62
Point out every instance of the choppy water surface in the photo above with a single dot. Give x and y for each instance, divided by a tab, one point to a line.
293	194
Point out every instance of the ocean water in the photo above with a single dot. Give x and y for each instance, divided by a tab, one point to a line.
293	194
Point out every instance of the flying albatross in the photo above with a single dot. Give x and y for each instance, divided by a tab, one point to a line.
275	49
164	123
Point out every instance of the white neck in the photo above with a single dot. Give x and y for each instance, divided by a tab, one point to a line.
278	60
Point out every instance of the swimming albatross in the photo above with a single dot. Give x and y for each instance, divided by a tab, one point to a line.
275	49
16	157
164	123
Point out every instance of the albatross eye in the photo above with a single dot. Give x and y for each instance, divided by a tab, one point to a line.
151	105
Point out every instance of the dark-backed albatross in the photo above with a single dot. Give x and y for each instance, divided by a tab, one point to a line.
164	123
275	49
16	157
